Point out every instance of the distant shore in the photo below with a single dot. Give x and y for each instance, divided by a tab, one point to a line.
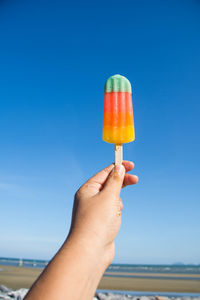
20	277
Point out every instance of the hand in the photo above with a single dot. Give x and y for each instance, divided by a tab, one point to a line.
78	266
97	209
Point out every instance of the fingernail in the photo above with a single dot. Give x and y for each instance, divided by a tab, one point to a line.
120	170
136	177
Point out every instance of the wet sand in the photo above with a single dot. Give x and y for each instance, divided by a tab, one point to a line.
20	277
150	285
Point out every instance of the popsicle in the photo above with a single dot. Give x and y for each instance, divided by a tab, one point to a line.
118	122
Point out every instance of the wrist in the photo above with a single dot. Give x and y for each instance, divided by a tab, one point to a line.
90	248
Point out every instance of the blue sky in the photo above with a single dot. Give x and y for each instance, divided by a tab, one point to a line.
54	59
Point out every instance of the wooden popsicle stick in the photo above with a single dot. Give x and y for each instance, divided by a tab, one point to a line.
118	154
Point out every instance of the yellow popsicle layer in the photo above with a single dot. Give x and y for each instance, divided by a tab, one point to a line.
118	135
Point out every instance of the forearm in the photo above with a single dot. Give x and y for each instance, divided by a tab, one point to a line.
74	273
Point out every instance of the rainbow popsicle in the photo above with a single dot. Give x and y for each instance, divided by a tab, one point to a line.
118	123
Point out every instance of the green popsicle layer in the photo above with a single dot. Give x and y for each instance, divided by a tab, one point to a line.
117	83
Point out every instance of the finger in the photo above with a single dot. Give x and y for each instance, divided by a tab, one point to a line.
130	179
114	182
99	179
128	165
120	204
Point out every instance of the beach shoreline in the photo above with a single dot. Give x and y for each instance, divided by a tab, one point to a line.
23	277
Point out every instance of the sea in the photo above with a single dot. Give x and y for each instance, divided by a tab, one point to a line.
164	269
129	270
114	268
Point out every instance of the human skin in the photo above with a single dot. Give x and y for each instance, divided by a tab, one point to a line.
76	269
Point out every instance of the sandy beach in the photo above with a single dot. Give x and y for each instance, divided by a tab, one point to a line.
20	277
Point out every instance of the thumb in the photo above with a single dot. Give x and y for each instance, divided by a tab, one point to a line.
115	180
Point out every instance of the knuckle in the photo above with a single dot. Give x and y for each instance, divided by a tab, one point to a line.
78	194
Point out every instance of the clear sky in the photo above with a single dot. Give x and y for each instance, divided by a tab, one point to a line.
54	59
